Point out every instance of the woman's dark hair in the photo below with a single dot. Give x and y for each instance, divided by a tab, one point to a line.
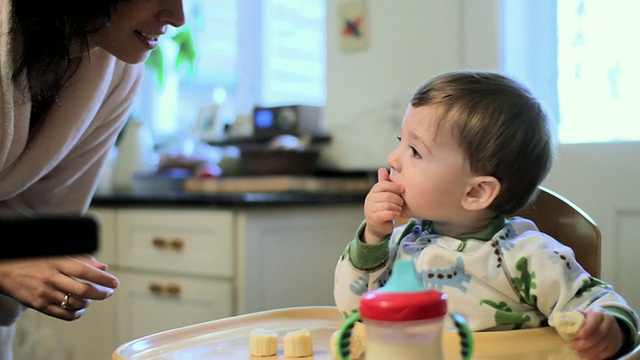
500	126
42	33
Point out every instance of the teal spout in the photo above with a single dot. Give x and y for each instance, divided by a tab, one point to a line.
403	278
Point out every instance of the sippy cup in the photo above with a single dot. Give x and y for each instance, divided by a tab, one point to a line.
403	320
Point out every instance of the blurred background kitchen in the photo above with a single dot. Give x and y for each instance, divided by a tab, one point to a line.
302	98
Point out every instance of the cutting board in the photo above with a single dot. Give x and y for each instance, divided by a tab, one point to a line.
278	183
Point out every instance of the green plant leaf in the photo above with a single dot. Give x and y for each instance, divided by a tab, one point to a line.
187	55
156	62
187	52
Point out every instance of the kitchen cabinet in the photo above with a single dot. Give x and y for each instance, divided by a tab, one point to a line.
183	265
289	254
176	267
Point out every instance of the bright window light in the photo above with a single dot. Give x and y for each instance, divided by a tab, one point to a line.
598	70
581	59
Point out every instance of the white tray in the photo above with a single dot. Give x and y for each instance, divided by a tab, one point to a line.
229	339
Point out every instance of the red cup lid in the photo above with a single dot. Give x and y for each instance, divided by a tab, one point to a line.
403	306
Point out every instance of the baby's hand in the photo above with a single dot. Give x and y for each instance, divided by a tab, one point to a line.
382	205
600	337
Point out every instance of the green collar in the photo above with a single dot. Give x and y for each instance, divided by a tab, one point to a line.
492	228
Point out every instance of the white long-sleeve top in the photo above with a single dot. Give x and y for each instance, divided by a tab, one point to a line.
509	276
54	166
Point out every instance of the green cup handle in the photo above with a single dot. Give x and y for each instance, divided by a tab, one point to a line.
466	339
344	336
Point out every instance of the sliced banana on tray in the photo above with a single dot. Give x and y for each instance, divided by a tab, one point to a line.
298	343
263	342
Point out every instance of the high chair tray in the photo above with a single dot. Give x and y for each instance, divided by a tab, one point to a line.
229	339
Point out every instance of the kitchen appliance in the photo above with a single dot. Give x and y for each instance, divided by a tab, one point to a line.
288	119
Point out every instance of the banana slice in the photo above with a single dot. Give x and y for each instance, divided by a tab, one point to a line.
263	342
360	330
567	324
357	345
298	343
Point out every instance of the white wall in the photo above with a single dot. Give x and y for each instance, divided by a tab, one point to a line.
410	41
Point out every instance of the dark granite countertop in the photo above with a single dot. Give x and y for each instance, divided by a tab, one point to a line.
169	199
241	199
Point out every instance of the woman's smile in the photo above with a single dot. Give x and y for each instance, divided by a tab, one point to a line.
150	40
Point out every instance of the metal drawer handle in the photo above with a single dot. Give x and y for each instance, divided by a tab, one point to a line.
155	288
163	243
174	290
159	242
170	290
177	244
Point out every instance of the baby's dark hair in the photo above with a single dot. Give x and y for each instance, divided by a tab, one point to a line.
501	128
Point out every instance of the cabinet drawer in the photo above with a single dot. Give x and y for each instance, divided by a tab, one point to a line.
149	303
179	241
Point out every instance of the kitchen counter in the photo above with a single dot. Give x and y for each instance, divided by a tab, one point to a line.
246	192
127	199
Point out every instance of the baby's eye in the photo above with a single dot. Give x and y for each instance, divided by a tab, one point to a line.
399	138
415	153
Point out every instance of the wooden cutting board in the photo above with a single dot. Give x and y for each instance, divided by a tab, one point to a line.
278	183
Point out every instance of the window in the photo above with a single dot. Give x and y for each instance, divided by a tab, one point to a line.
580	58
250	53
293	43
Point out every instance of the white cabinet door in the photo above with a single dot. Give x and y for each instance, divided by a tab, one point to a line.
152	302
290	254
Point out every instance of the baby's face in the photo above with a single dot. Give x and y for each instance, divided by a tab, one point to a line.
430	166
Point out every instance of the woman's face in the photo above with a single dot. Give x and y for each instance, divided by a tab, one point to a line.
135	27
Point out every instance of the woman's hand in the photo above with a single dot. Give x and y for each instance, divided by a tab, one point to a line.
600	337
382	206
46	284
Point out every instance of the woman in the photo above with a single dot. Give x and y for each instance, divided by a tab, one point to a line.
69	71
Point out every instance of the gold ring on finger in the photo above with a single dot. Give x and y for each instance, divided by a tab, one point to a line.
65	302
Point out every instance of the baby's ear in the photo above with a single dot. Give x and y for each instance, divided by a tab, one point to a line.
481	192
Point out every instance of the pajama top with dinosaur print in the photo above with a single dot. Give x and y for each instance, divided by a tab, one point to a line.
508	276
